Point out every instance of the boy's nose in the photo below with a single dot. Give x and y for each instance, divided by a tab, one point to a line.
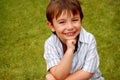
70	26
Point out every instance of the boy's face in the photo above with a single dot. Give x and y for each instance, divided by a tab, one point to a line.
67	26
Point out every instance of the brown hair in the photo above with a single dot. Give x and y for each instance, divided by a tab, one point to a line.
55	8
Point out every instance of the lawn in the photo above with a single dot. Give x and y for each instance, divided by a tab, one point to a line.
23	32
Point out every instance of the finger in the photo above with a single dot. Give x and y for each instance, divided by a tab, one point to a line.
73	42
50	77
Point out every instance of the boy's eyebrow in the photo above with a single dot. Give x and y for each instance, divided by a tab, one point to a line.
76	17
60	20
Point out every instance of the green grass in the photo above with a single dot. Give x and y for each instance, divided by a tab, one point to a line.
23	32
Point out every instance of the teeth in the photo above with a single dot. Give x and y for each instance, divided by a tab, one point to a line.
69	34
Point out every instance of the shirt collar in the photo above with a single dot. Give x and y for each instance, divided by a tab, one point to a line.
83	36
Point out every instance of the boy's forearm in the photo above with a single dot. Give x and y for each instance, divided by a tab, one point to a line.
61	71
79	75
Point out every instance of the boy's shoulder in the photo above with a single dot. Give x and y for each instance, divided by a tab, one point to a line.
86	36
52	39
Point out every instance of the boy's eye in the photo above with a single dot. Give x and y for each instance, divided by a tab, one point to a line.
61	22
75	20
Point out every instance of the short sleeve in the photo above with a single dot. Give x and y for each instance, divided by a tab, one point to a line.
91	60
50	54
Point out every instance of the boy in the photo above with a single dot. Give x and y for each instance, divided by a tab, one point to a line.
70	52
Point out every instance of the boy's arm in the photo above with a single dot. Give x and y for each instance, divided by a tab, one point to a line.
61	71
79	75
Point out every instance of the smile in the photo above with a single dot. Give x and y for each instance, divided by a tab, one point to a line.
70	34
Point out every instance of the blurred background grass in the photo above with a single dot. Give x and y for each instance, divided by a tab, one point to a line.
23	32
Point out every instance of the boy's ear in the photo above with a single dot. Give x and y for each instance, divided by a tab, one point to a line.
50	25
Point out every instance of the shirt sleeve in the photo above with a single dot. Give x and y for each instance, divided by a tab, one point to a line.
50	55
91	60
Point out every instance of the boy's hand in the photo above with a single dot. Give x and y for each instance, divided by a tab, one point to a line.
50	77
71	44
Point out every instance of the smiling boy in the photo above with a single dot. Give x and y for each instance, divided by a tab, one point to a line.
70	52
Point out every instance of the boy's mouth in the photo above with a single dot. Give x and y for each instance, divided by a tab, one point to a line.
70	34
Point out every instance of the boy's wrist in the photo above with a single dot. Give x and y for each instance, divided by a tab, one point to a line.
70	50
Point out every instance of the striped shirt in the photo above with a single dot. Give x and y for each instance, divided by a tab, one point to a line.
85	57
